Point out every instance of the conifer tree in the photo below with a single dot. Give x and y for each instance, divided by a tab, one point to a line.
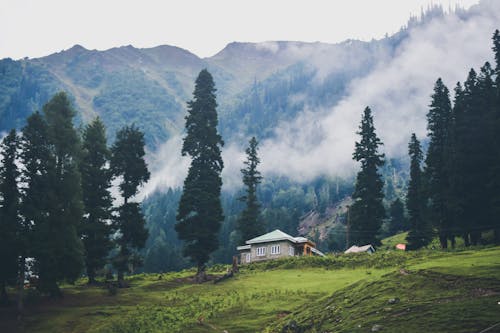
58	249
495	169
36	158
249	225
420	233
96	182
436	173
127	163
367	211
200	211
496	50
455	165
476	154
487	109
9	213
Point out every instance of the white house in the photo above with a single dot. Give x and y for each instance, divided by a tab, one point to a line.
276	244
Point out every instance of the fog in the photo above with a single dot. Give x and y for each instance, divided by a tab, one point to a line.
321	141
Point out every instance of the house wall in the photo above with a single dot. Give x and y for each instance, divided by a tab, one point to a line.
284	251
243	257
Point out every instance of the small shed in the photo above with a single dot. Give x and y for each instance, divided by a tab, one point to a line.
359	249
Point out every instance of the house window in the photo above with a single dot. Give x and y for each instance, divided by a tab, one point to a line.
275	249
261	251
291	251
248	257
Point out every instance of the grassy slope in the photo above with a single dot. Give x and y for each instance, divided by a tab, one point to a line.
443	292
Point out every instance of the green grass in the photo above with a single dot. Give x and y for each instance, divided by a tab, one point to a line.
348	293
390	243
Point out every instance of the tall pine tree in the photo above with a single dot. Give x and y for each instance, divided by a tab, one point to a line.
436	172
487	109
249	223
420	233
127	163
9	213
58	249
475	153
367	211
96	182
455	165
495	169
36	158
200	211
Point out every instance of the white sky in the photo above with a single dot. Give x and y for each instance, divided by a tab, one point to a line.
36	28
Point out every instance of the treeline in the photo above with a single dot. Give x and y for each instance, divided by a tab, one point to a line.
283	204
456	192
56	207
459	193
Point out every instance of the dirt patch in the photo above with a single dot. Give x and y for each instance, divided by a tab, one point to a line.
481	292
283	314
98	313
192	279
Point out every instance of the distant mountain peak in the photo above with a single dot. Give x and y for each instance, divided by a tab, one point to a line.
77	47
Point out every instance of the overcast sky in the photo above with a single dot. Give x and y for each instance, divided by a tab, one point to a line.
36	28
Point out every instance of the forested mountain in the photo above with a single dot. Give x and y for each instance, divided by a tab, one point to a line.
260	87
150	86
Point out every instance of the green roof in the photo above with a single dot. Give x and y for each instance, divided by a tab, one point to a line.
272	236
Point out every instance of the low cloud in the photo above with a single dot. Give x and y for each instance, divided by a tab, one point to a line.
272	47
398	89
167	166
321	142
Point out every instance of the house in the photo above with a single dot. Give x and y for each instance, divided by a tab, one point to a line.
276	244
358	249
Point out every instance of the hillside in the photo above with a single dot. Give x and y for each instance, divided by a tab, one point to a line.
151	86
429	291
260	85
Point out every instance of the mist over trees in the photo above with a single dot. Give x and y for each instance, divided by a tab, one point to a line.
446	157
56	206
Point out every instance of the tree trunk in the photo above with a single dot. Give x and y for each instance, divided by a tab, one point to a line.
20	292
235	268
453	242
121	280
475	237
201	275
4	298
90	275
443	240
465	236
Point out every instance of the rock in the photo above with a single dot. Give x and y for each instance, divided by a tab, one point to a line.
291	326
376	328
393	300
